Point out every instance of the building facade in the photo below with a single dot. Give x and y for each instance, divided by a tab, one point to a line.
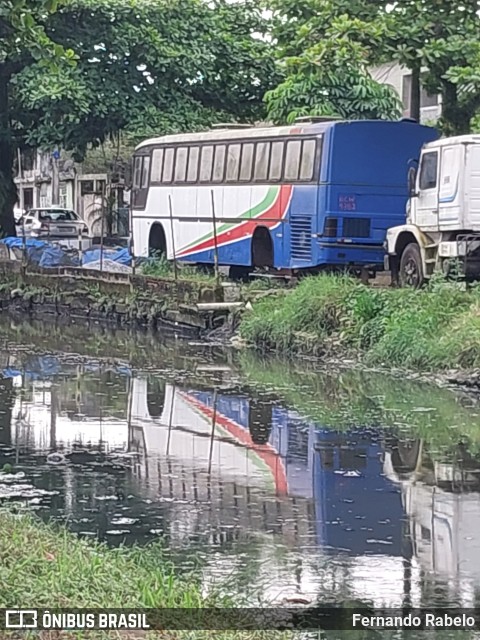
39	174
400	79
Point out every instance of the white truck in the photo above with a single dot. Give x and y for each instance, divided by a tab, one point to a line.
443	214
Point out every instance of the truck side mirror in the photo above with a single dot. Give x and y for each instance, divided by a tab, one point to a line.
412	180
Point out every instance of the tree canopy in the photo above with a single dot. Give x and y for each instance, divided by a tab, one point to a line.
327	47
142	66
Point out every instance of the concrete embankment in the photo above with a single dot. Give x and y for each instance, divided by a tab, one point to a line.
186	306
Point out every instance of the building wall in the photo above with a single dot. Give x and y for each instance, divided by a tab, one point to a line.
77	190
398	77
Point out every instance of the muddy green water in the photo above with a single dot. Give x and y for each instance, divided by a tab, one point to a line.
278	480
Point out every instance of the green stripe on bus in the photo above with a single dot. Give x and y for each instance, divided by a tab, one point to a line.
250	213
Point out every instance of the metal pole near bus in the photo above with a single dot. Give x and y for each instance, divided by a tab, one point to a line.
214	220
102	229
170	209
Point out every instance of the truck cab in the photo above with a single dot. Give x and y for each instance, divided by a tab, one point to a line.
443	214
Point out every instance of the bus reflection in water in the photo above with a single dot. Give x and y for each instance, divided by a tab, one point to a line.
260	469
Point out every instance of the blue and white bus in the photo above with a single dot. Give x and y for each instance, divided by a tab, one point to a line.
287	198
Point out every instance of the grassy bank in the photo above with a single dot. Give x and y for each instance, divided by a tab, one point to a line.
43	566
436	328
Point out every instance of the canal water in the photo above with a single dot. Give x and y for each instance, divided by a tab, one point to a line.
271	478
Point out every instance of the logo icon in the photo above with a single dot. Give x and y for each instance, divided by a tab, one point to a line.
20	619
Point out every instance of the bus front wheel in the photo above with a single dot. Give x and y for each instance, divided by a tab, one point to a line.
157	242
411	272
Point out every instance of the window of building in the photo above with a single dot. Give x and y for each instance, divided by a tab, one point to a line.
428	171
181	164
307	165
276	160
167	174
262	154
426	99
157	164
62	201
206	164
246	162
88	186
219	163
292	159
192	171
233	162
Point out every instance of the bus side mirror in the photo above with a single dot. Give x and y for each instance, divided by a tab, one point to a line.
412	180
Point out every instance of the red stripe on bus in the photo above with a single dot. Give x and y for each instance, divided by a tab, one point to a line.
266	452
275	212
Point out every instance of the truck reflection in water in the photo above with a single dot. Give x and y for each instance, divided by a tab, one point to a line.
244	483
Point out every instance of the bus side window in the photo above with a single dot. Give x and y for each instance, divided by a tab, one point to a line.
137	173
292	159
276	161
262	153
307	164
192	171
246	162
157	164
219	163
145	172
233	162
181	164
168	165
206	164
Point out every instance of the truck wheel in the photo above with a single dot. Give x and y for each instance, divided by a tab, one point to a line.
411	268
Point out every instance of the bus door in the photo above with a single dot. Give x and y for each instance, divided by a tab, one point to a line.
141	178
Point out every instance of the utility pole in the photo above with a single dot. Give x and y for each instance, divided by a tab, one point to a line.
55	177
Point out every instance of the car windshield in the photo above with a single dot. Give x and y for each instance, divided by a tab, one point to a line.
57	215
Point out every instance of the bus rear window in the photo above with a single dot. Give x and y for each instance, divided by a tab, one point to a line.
292	159
307	164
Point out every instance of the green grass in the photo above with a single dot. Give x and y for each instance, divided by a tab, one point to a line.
435	328
45	566
160	267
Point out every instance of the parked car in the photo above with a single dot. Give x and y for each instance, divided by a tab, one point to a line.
52	222
18	214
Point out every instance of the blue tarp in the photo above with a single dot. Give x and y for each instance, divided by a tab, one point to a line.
19	243
122	256
47	254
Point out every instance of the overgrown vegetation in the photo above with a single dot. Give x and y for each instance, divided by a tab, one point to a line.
432	329
160	267
43	566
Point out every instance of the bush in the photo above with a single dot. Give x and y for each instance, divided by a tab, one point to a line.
433	328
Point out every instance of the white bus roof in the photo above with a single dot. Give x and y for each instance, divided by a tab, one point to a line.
231	134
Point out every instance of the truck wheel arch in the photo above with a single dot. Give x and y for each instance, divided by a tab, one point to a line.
404	236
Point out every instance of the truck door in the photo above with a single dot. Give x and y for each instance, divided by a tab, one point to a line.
426	204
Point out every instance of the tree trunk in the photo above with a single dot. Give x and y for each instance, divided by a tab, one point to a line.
414	108
455	118
8	189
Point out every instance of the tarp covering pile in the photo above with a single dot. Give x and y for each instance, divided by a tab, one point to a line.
49	255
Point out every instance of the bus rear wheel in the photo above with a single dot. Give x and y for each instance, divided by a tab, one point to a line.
411	267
